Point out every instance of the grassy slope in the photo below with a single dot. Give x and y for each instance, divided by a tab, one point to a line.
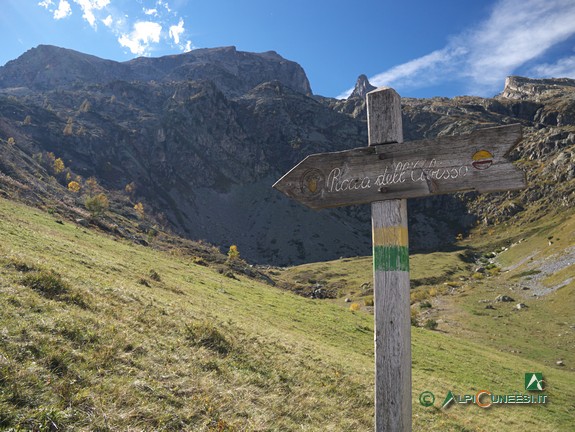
116	349
543	333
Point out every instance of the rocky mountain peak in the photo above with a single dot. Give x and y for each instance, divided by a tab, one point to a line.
362	87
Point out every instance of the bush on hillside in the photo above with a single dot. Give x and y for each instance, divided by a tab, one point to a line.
206	334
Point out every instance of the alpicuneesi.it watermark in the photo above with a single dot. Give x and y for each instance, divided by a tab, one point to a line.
484	398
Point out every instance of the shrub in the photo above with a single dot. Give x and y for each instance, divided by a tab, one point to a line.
143	281
413	315
130	188
48	283
57	364
425	305
199	261
494	271
139	207
93	186
233	253
155	276
430	324
368	301
419	294
205	334
58	166
75	299
230	274
354	307
74	186
20	265
97	204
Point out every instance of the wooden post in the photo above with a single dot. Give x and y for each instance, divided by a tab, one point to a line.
390	280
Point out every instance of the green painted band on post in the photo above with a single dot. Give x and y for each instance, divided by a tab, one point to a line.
391	258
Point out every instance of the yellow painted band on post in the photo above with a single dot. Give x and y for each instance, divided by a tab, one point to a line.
388	236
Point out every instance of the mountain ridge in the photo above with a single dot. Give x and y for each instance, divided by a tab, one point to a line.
237	71
203	153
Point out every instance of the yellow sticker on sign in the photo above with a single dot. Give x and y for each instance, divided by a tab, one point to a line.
482	160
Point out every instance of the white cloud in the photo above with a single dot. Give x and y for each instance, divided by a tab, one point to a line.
108	21
89	6
516	33
176	31
164	4
143	34
420	72
427	68
139	36
63	10
564	68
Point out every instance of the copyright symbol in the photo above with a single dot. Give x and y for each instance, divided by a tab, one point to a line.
426	398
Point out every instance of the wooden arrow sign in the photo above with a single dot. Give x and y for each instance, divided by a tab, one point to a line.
476	161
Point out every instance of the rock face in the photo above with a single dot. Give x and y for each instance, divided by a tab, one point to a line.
204	135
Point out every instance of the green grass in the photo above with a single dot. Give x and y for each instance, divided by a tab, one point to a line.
352	277
193	349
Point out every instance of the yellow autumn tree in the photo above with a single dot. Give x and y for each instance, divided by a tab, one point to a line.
74	186
93	186
130	188
139	207
59	166
233	253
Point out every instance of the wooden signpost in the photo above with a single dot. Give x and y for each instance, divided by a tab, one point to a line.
384	174
477	161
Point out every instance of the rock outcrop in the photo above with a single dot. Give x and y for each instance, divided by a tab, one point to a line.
522	88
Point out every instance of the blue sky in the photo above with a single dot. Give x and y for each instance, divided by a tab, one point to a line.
422	48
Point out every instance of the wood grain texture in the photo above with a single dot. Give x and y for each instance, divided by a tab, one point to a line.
392	352
392	334
407	170
384	117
